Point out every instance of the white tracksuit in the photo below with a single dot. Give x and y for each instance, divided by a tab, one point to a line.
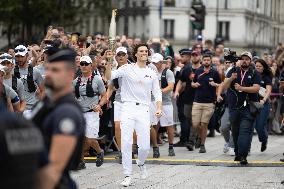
136	87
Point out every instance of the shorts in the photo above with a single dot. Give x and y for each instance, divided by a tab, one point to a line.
117	110
167	118
202	113
92	124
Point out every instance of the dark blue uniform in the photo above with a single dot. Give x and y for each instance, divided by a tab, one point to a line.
64	117
239	112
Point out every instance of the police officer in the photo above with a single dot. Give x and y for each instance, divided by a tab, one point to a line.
30	77
10	80
9	97
182	98
60	120
243	85
88	90
20	148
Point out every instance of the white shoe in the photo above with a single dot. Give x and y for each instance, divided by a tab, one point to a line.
226	148
231	151
126	181
143	170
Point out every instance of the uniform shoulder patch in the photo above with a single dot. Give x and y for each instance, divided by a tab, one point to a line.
67	126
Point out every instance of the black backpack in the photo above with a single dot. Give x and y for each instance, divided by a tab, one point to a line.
89	89
164	82
30	79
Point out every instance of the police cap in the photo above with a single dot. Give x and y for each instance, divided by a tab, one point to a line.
185	52
56	54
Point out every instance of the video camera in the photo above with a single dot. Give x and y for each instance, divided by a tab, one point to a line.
231	56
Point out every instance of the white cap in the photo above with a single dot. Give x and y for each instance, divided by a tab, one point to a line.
157	58
6	57
86	59
2	69
121	49
248	54
21	50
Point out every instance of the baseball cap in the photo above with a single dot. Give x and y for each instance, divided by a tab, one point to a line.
86	59
21	50
196	53
248	54
6	57
156	58
121	49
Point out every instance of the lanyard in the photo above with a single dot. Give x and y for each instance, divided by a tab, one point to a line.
204	72
243	76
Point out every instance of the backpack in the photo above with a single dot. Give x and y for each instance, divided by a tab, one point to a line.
89	89
30	79
164	82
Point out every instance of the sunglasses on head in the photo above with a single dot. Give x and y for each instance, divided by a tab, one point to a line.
6	57
84	63
19	50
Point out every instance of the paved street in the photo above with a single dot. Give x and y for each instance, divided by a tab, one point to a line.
185	170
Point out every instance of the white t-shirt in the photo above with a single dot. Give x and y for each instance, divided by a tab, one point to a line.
137	84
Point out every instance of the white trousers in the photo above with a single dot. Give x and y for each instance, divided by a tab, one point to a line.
134	117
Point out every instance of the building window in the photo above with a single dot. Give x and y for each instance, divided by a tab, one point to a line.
257	3
169	28
143	4
226	4
224	30
170	3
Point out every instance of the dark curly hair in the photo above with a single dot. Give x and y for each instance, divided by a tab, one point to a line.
135	49
266	69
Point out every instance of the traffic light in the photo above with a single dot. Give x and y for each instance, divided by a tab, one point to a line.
198	19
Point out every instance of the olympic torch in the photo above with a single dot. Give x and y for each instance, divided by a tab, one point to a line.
112	31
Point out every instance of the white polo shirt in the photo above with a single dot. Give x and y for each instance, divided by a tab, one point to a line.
137	84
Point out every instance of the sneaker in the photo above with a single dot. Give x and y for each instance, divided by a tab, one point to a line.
282	160
202	149
198	143
100	159
81	165
211	133
237	158
243	161
126	181
143	171
156	152
231	151
119	158
190	147
179	144
172	152
282	182
263	146
226	148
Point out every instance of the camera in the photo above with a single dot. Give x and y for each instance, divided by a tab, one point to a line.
230	55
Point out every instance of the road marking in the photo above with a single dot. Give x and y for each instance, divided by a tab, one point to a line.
185	161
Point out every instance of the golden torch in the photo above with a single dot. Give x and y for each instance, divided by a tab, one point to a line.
112	31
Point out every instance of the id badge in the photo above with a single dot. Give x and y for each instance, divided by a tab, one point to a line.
245	103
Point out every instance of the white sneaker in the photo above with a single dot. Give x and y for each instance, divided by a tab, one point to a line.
226	148
231	151
143	170
126	181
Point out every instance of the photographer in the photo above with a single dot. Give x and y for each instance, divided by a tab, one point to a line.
243	85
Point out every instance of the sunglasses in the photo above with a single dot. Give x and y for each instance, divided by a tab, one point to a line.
121	54
84	64
6	57
19	50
